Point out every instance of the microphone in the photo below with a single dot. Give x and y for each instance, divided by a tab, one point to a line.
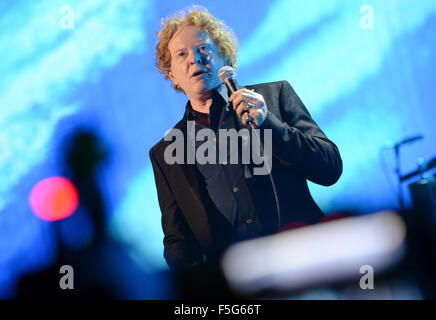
227	75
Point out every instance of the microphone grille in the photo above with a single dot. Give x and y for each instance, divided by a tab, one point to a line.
226	72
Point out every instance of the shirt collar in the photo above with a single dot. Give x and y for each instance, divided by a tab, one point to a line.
221	89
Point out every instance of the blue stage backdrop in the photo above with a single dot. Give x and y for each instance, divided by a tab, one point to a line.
365	69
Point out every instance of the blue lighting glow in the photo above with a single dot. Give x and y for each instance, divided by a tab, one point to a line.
365	87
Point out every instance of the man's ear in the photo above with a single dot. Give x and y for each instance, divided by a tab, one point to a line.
170	75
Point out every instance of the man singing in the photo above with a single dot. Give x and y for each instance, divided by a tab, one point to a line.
208	206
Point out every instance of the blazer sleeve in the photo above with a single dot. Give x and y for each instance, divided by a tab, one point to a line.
297	139
181	249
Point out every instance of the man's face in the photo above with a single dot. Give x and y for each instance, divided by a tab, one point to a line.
195	61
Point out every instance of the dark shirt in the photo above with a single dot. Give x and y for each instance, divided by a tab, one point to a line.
225	182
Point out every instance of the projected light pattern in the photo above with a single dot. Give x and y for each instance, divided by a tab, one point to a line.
140	219
41	66
365	87
324	70
319	59
47	64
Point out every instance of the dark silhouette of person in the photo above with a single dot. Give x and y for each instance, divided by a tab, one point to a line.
102	268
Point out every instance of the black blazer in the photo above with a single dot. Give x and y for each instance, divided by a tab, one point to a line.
300	151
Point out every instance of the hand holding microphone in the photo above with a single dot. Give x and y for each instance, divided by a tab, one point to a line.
248	105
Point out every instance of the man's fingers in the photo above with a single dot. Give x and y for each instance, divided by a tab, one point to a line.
246	118
241	108
247	102
243	94
237	100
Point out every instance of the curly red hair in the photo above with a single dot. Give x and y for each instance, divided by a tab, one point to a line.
221	34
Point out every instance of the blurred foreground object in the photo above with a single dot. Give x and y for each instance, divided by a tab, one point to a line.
316	255
54	198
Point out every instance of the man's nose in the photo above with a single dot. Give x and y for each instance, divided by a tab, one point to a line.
196	57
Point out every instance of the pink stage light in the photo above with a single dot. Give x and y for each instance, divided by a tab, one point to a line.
54	198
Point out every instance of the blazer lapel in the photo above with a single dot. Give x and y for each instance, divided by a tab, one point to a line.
197	217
